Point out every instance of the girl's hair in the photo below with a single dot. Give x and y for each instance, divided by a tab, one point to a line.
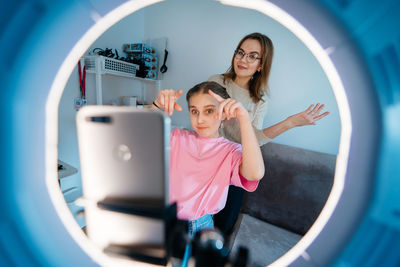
258	84
204	87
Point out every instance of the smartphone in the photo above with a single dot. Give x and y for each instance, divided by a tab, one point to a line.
124	156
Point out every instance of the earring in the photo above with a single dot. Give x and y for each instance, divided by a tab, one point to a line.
221	125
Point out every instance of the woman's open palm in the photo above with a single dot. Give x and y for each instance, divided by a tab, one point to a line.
308	116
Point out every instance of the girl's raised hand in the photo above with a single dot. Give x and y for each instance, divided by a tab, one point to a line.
228	108
167	100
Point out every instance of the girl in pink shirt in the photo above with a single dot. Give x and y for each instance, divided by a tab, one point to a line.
202	163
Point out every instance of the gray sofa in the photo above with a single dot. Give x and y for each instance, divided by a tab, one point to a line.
288	200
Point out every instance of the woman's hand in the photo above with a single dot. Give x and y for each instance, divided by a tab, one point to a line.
229	108
308	116
167	100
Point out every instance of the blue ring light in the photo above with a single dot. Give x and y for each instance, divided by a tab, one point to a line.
356	42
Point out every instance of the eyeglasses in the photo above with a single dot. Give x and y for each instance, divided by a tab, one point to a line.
250	57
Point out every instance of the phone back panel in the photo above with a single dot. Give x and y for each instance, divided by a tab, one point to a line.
124	154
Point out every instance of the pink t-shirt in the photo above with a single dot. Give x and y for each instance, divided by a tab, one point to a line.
201	170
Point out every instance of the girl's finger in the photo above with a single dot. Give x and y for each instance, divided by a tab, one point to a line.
178	94
234	108
171	104
162	99
223	116
217	97
228	108
221	108
177	107
227	104
166	103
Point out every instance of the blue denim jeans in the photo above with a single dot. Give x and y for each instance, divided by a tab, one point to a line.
205	222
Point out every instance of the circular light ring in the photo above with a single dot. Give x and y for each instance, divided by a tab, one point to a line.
361	142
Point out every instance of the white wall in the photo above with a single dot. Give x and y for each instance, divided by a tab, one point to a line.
202	36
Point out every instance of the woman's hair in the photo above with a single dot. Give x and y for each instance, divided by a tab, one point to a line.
259	82
204	87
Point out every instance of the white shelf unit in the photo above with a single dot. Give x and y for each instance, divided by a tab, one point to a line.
101	65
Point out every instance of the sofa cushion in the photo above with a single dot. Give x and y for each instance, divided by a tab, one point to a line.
295	187
265	242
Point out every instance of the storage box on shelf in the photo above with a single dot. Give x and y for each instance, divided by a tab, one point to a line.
105	65
101	65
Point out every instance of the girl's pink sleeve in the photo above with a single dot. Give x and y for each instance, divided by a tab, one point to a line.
236	178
